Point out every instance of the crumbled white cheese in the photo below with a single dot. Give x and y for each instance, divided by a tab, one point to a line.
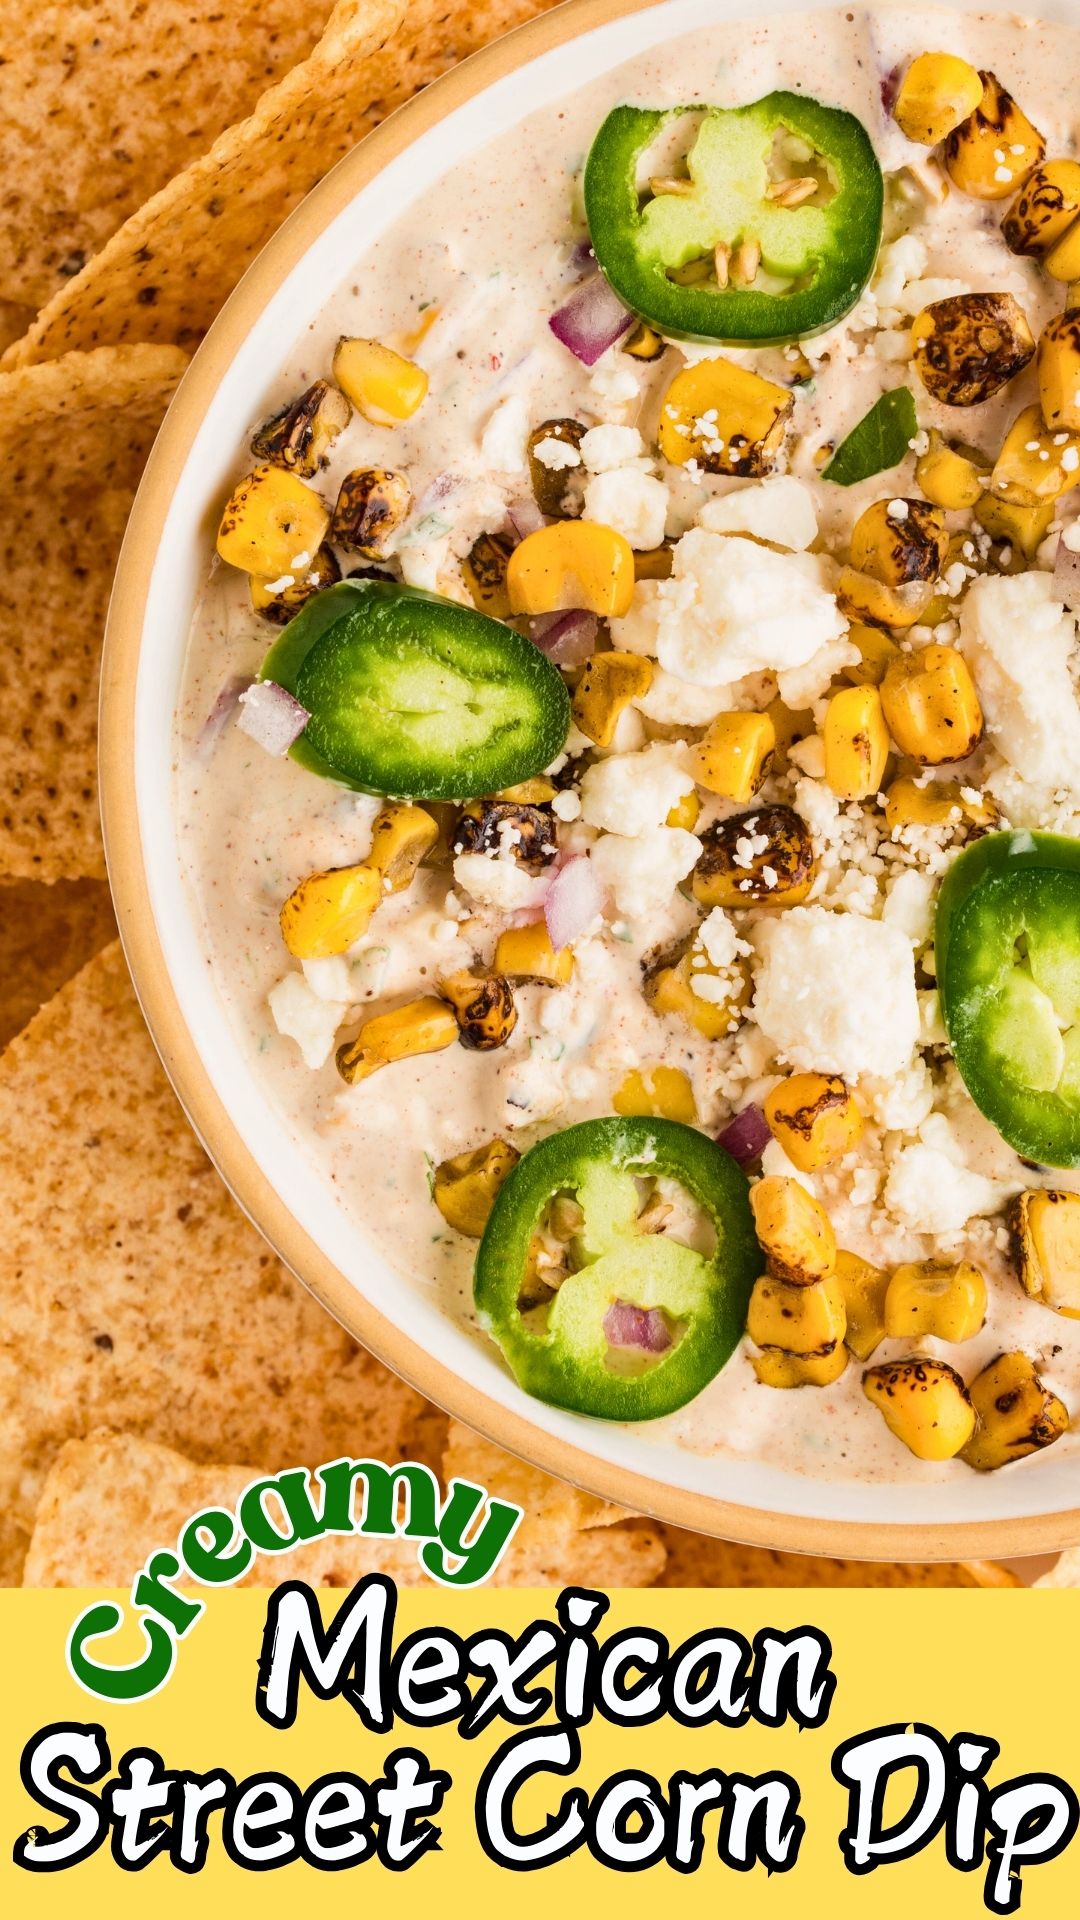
901	1103
780	510
900	262
809	755
775	1165
331	978
613	384
629	793
636	631
557	455
908	904
929	1192
634	503
801	687
566	806
497	883
733	608
719	939
301	1015
1018	639
643	873
503	441
836	992
672	702
609	446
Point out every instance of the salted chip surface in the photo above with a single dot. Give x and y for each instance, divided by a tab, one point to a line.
165	273
696	1560
74	436
46	935
134	1293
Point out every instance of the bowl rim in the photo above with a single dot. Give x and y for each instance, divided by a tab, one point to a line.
176	1044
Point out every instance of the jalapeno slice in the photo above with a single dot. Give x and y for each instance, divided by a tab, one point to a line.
1007	942
416	696
696	1303
816	254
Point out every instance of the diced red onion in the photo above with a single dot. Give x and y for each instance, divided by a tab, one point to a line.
222	712
569	639
581	257
438	489
642	1327
573	901
1067	573
746	1137
525	517
271	717
591	320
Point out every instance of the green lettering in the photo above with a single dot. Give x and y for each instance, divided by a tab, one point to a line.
380	1498
133	1682
150	1591
479	1556
211	1562
292	1490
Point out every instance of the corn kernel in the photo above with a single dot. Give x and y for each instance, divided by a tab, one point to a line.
1044	210
400	838
774	1368
925	1404
484	1006
794	1231
526	953
668	989
426	1025
856	742
464	1187
272	524
724	418
968	346
1024	528
779	873
815	1119
870	602
733	758
382	384
1031	466
789	726
937	92
328	911
992	152
796	1319
1017	1413
1063	260
948	1303
940	803
948	478
684	813
1059	372
573	563
281	605
863	1287
484	569
606	688
662	1093
1045	1228
931	706
899	542
654	563
372	504
530	793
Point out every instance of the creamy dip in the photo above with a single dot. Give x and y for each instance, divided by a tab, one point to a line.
490	253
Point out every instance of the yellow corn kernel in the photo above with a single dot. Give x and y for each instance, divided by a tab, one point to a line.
1044	209
863	1287
484	569
1045	1227
684	813
400	838
949	1303
789	726
669	990
733	758
779	872
382	384
931	707
970	345
774	1368
654	563
572	563
464	1188
1032	466
644	344
949	479
530	793
1017	1413
815	1119
899	541
1059	373
606	688
794	1231
426	1025
992	152
856	742
1063	260
925	1404
1023	528
870	602
281	606
877	651
328	911
937	92
483	1004
796	1319
940	803
271	519
725	418
526	953
301	435
661	1093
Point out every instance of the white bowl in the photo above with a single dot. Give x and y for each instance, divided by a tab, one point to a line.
162	569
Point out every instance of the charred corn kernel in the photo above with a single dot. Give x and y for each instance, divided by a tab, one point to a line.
1032	466
1022	528
684	813
734	757
606	688
1017	1413
530	793
877	651
940	803
775	1368
931	707
796	1319
1059	373
856	742
725	418
661	1093
644	344
273	525
526	953
400	838
992	152
654	563
948	1303
301	435
863	1287
815	1119
764	858
1044	209
898	541
552	485
790	725
871	602
280	606
575	563
485	575
969	345
669	989
794	1231
464	1187
421	1026
483	1004
373	502
1063	260
937	92
925	1404
1045	1227
328	911
382	384
948	478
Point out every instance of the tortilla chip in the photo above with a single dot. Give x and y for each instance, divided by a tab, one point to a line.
1066	1572
567	1537
696	1560
46	935
74	436
14	321
101	104
110	1500
133	1292
169	269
